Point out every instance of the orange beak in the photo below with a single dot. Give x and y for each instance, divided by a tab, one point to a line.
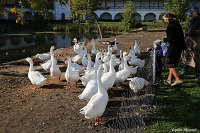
126	52
86	55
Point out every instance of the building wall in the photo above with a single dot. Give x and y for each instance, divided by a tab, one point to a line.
59	11
146	9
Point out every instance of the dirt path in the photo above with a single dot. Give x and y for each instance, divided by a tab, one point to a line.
51	108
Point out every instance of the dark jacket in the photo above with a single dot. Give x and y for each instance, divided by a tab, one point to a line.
191	56
175	36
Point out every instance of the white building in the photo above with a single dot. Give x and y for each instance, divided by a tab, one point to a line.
147	10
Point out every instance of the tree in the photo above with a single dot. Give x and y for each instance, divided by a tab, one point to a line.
80	8
40	7
177	7
129	15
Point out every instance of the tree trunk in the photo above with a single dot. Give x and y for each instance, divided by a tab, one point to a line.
98	27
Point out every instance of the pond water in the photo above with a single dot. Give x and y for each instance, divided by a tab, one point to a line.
22	45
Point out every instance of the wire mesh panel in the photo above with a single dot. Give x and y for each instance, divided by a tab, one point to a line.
129	112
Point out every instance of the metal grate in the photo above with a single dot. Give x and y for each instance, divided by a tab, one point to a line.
132	114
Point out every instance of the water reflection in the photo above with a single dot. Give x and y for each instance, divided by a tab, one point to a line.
17	46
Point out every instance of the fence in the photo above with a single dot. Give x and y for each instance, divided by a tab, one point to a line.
127	112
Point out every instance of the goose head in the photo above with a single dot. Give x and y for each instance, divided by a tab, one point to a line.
31	63
29	60
75	40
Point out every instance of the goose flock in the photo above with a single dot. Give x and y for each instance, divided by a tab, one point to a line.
98	75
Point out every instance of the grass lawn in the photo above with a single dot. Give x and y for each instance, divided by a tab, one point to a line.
177	108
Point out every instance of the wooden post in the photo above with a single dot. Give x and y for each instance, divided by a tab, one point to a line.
99	28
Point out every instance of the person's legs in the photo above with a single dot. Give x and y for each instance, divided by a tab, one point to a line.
173	71
170	75
178	80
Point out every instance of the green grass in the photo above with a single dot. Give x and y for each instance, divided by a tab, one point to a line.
177	108
154	24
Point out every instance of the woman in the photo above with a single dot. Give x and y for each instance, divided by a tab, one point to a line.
175	38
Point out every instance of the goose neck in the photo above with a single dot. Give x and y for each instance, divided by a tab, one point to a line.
125	64
99	83
69	64
53	61
112	65
31	66
51	50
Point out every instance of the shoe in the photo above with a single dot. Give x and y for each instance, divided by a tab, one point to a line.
197	78
177	82
167	82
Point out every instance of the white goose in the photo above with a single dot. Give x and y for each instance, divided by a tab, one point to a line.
35	77
122	75
97	59
108	79
136	61
94	51
131	48
46	56
89	64
78	58
98	102
137	83
75	67
107	55
137	47
89	75
115	48
122	55
77	47
54	70
47	65
105	68
71	75
91	88
85	60
133	70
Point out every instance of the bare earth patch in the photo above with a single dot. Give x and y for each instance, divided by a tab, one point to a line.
53	108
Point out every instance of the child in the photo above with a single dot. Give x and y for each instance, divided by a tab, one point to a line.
159	55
